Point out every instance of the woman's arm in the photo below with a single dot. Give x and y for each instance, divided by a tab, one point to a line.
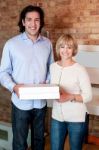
84	84
64	96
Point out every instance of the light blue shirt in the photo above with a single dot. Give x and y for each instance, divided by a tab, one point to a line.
25	62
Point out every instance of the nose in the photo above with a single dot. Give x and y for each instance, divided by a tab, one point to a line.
33	23
66	48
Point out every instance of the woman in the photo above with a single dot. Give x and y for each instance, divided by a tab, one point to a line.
69	113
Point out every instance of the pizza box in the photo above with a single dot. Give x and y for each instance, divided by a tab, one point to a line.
39	91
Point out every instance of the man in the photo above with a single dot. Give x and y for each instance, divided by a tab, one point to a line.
25	60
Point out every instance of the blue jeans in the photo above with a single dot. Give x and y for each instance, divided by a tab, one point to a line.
21	121
76	131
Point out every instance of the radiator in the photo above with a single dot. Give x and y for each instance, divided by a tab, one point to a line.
6	136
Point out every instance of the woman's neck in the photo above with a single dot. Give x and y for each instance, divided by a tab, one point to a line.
66	63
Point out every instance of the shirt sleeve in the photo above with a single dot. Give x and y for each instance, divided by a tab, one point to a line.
6	69
85	85
50	61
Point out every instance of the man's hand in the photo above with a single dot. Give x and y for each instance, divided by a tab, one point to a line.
16	88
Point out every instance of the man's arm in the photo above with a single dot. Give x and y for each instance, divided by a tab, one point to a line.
50	61
6	68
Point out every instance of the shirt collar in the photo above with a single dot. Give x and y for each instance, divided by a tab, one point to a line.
25	37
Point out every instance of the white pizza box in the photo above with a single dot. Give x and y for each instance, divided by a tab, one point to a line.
39	91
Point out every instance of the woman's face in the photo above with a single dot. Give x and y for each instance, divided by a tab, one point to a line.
66	51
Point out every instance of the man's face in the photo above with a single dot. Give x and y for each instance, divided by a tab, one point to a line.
32	24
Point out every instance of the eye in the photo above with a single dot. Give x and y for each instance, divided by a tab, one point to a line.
28	19
37	19
62	46
69	47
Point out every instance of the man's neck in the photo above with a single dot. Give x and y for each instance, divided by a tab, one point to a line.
33	37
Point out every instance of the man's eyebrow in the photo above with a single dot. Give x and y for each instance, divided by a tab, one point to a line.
31	18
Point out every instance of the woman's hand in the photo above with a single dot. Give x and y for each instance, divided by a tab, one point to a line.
65	96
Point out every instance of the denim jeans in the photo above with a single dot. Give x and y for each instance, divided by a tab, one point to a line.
75	130
21	121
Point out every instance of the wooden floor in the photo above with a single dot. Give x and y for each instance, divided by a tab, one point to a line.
85	147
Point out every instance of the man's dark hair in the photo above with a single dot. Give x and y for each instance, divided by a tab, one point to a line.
27	9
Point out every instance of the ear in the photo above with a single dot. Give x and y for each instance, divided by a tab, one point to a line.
23	22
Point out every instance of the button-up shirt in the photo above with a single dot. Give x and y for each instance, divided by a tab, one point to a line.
25	62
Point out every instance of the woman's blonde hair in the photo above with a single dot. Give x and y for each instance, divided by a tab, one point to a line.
66	39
